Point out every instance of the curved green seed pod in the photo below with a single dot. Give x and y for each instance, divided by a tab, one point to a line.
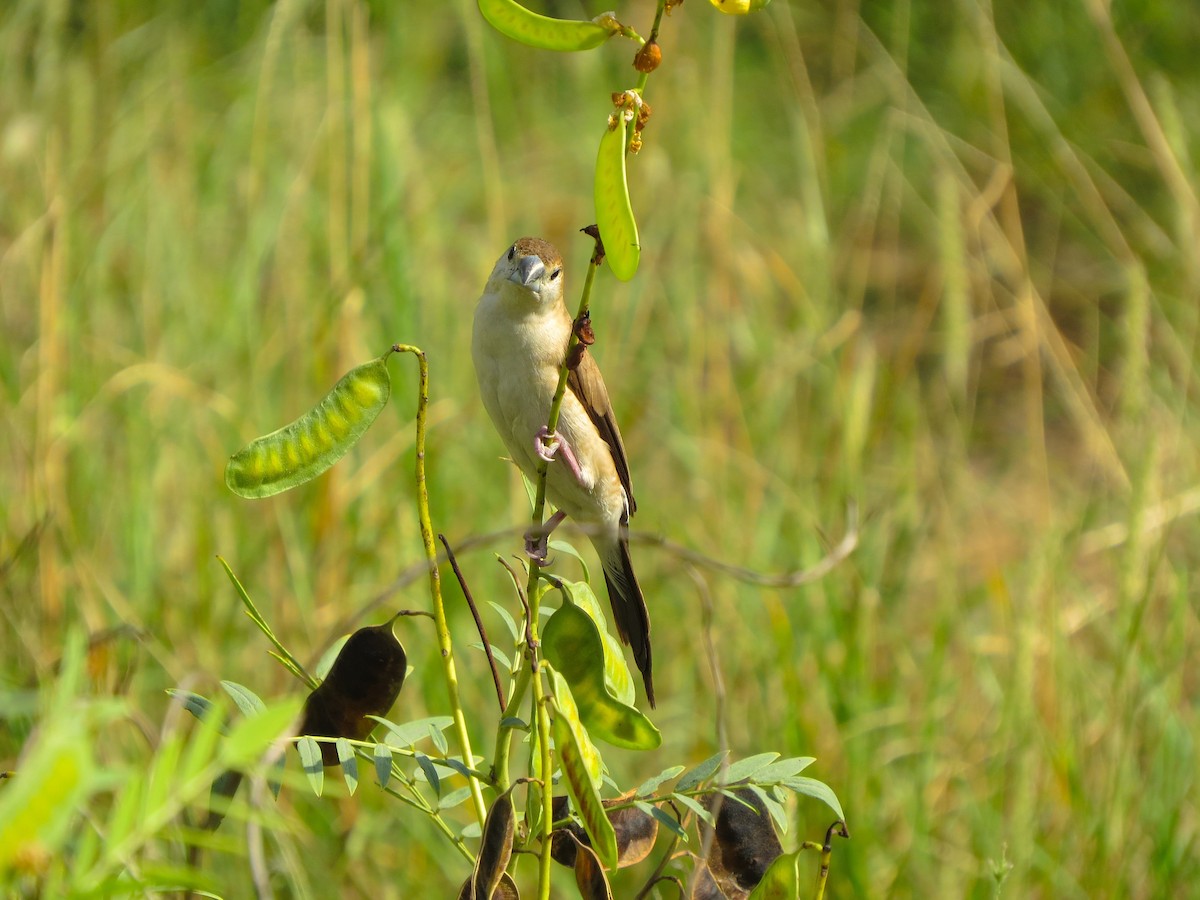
301	451
571	642
614	214
515	21
581	767
738	7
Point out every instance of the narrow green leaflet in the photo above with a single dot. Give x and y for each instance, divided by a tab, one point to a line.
197	705
383	764
247	701
410	733
310	759
304	449
614	213
248	738
818	790
749	767
650	785
784	768
345	754
581	771
572	644
430	772
700	773
515	21
694	805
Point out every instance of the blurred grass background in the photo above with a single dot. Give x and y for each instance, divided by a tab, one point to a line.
937	261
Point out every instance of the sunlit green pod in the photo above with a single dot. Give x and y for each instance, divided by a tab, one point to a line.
515	21
614	214
738	7
572	642
581	769
301	451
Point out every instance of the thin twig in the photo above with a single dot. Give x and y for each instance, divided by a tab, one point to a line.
796	578
445	645
487	646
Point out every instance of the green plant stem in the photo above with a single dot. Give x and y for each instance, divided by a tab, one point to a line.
435	582
282	653
504	734
540	714
543	724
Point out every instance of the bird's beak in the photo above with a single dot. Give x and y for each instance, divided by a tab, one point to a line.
529	269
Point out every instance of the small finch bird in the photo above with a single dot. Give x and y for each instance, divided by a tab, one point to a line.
522	328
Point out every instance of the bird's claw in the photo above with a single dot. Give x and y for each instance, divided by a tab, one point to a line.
549	444
536	548
536	541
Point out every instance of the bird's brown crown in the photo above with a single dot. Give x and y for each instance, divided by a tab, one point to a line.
544	250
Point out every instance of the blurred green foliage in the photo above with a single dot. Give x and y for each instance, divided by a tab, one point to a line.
937	260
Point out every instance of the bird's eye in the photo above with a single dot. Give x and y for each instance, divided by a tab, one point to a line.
512	251
555	274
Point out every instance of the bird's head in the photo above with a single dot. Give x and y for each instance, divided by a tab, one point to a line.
532	267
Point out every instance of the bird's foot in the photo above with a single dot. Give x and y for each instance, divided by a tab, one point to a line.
547	445
536	542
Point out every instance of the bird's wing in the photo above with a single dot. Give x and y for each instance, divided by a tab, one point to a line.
587	384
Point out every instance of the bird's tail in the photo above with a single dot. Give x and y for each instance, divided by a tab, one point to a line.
628	604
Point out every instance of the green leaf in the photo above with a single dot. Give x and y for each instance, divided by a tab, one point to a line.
784	768
329	657
453	762
560	546
749	767
694	805
664	818
454	798
38	805
248	738
581	766
573	645
614	213
818	790
408	734
430	772
383	764
508	619
774	807
650	785
197	705
307	447
515	21
700	773
439	739
247	701
349	763
781	881
310	760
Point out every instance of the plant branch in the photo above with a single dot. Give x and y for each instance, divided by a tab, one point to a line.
487	646
435	583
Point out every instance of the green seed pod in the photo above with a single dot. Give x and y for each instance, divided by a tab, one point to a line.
614	213
301	451
515	21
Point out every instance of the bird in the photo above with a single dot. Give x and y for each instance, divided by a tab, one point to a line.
519	341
